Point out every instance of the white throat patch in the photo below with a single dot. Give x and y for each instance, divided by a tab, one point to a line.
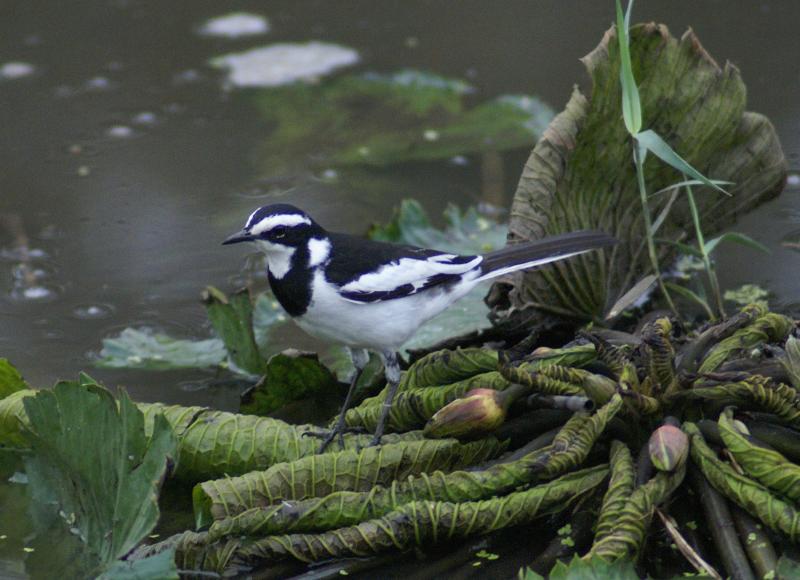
273	221
318	251
279	257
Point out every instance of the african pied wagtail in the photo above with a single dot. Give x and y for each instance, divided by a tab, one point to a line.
374	295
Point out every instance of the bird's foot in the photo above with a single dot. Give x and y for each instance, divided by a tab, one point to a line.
328	435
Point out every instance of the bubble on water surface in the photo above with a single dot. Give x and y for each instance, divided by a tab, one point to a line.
284	63
235	25
793	180
36	293
119	132
93	311
145	118
16	70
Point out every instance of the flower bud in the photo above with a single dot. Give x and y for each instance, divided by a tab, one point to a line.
668	447
481	411
600	389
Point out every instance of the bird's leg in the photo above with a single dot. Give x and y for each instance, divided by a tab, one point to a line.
360	358
392	367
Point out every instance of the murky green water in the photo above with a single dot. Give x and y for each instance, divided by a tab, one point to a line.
125	161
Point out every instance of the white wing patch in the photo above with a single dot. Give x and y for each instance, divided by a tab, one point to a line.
411	271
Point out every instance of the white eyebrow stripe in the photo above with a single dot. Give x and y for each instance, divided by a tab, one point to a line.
270	222
247	224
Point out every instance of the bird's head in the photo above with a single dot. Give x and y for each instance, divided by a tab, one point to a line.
275	226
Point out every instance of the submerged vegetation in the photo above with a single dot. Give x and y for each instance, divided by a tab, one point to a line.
616	438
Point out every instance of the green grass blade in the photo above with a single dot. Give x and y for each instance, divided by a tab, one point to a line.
692	297
664	213
631	105
736	238
689	182
653	142
683	248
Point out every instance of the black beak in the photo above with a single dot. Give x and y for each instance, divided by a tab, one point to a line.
238	237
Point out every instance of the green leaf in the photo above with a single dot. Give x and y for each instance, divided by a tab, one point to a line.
748	294
10	379
736	238
787	568
631	105
791	360
143	349
691	296
97	470
684	248
653	142
688	182
383	119
161	566
267	316
232	319
465	232
594	569
528	574
288	376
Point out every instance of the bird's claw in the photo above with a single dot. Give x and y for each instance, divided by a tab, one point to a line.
328	435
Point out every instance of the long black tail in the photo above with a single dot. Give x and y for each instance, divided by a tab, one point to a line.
551	249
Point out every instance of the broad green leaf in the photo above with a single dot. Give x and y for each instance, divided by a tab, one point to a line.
143	349
791	360
631	296
160	566
653	142
10	379
410	116
787	568
736	238
701	108
465	233
97	469
288	376
631	105
232	319
267	315
528	574
593	569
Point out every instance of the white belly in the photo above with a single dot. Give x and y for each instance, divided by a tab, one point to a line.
378	325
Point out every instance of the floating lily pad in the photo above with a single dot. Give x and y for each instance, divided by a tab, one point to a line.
581	175
95	488
379	120
142	348
284	63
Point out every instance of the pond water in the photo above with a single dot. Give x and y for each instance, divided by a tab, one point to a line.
127	158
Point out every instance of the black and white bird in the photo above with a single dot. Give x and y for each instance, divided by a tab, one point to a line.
372	295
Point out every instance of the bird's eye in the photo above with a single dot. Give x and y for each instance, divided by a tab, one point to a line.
278	232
